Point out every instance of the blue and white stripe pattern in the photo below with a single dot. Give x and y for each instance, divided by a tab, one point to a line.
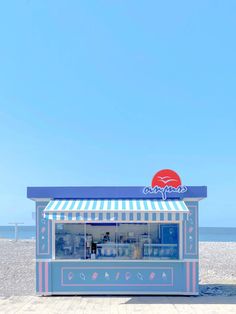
116	210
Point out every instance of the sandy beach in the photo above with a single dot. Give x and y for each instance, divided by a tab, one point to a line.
17	277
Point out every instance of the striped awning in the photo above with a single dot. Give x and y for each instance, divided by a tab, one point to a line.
116	210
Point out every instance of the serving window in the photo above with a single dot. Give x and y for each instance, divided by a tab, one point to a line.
121	241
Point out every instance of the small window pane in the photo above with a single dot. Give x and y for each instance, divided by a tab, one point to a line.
131	239
70	241
164	242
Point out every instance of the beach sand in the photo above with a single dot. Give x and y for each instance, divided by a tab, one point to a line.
217	290
17	267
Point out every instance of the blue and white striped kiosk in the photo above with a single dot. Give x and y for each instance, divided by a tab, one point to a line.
118	240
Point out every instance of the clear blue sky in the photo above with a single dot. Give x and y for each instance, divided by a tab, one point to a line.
109	92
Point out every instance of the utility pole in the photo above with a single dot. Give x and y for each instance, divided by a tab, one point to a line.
16	228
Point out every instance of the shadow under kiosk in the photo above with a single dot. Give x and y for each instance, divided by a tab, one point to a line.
118	240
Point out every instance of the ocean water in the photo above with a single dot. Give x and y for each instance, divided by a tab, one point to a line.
24	232
217	234
205	233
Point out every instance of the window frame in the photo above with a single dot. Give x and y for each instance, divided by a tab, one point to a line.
180	244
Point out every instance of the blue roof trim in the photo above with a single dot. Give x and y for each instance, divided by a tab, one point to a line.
106	192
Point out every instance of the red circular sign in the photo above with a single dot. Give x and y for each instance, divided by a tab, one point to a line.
166	177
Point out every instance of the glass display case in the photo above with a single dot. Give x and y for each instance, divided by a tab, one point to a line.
161	251
114	250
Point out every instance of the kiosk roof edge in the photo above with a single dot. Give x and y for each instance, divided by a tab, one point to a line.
119	192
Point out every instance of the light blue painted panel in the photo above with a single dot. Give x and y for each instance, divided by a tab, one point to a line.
43	277
43	233
190	232
125	277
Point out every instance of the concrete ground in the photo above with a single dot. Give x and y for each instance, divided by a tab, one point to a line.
121	305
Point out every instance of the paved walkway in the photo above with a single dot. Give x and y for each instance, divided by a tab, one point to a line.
115	305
